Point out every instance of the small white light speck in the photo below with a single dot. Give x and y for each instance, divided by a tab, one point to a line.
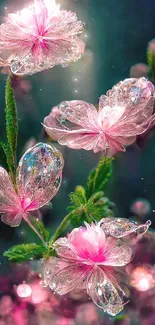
99	292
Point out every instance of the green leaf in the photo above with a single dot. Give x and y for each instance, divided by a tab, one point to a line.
99	176
25	252
151	57
78	198
95	197
99	212
99	206
90	203
77	218
78	206
8	155
11	123
3	161
41	229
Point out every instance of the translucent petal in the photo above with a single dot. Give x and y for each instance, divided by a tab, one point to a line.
12	219
121	227
103	293
39	176
81	140
129	92
75	124
65	23
136	121
69	278
113	146
128	107
88	242
9	200
51	267
75	111
119	256
62	248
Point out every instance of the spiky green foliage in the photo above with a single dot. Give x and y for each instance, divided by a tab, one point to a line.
11	124
89	203
25	252
96	208
99	176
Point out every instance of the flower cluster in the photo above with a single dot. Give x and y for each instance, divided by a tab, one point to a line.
125	112
88	258
39	37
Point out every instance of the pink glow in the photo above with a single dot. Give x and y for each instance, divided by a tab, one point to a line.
39	37
125	112
65	321
142	278
141	207
39	294
24	290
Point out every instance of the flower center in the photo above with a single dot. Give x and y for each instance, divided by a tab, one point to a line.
93	255
89	245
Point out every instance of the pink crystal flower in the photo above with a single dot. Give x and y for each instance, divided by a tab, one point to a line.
88	258
40	37
123	113
38	179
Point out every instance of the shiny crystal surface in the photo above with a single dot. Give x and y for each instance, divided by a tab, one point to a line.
39	175
121	227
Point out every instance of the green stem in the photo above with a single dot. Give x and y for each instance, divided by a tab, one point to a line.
11	117
33	228
63	225
88	217
66	220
